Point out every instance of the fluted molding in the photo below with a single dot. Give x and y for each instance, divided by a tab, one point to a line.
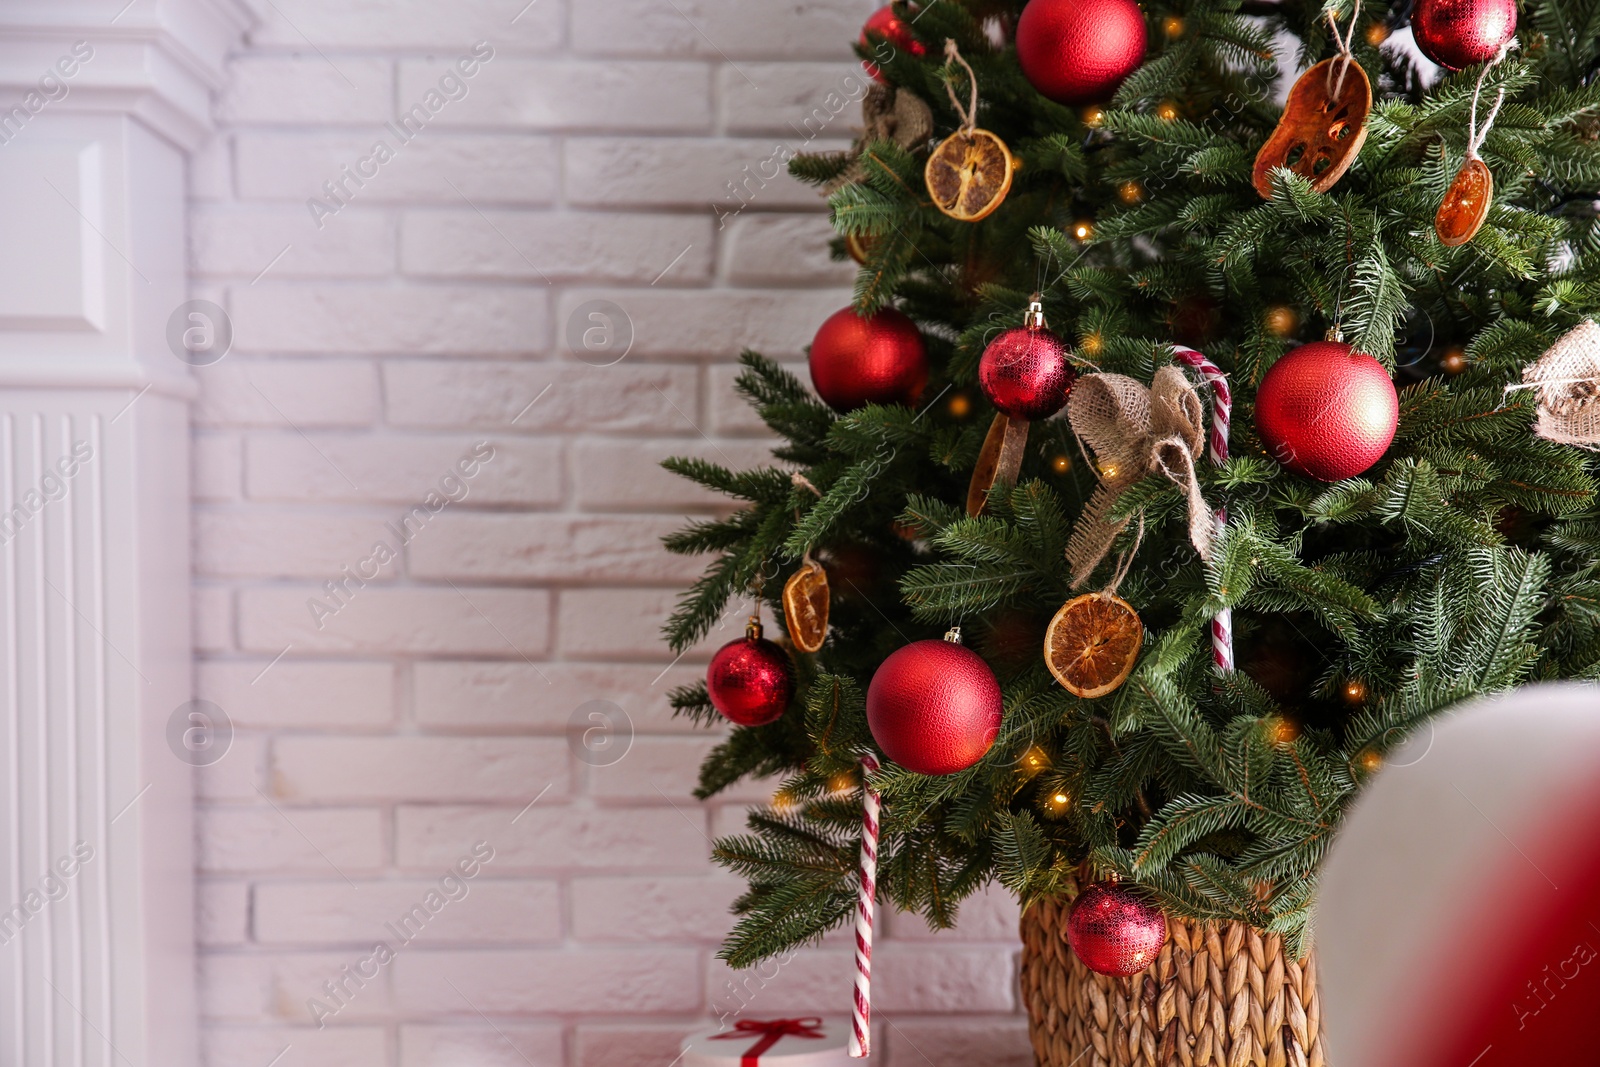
95	638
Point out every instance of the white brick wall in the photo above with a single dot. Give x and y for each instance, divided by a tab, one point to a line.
371	354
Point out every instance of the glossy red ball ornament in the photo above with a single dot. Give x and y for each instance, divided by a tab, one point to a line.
1024	372
879	359
934	707
750	680
1327	411
1114	931
1460	33
1079	51
885	27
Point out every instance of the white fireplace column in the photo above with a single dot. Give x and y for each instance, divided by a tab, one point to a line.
100	103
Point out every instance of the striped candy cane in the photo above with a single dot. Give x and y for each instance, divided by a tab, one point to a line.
1217	449
866	902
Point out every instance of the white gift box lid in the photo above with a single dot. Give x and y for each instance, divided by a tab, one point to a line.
725	1046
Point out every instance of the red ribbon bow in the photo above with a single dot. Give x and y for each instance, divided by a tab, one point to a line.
771	1033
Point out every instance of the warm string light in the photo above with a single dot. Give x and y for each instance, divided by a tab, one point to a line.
1454	360
1167	110
1281	320
1083	229
1061	464
1130	192
960	406
1093	116
841	784
1033	761
1370	761
1354	691
1377	33
1284	731
1173	26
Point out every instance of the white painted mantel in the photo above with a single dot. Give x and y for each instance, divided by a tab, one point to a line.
100	103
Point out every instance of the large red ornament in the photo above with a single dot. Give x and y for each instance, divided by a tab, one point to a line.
1459	33
885	26
1115	932
934	707
750	680
1024	372
879	359
1079	51
1327	411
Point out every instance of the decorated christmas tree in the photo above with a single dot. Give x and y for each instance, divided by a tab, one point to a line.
1236	433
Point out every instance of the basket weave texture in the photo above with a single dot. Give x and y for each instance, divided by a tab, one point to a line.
1220	994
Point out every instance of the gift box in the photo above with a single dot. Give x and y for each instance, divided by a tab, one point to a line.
771	1042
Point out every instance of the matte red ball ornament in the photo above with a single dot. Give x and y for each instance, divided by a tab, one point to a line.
1079	51
1024	372
1114	931
1327	411
750	680
885	27
879	359
934	707
1460	33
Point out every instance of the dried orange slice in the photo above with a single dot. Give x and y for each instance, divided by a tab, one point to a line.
1093	643
969	174
805	606
1323	127
999	461
1466	204
859	247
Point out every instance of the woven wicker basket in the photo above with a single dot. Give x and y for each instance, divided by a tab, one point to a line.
1220	994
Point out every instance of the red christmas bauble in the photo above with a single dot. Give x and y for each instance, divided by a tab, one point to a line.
1327	411
1459	33
1114	931
750	680
1079	51
885	26
934	707
1025	374
879	359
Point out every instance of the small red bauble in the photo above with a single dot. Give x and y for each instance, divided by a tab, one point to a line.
879	359
934	707
1327	411
1459	33
1024	372
1079	51
750	680
885	26
1114	931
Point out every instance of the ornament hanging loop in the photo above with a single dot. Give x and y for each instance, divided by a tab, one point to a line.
968	114
800	481
758	585
1346	57
1125	562
1475	136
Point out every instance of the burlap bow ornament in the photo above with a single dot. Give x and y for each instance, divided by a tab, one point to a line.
1135	431
887	114
1566	380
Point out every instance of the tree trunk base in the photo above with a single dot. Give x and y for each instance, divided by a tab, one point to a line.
1220	995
